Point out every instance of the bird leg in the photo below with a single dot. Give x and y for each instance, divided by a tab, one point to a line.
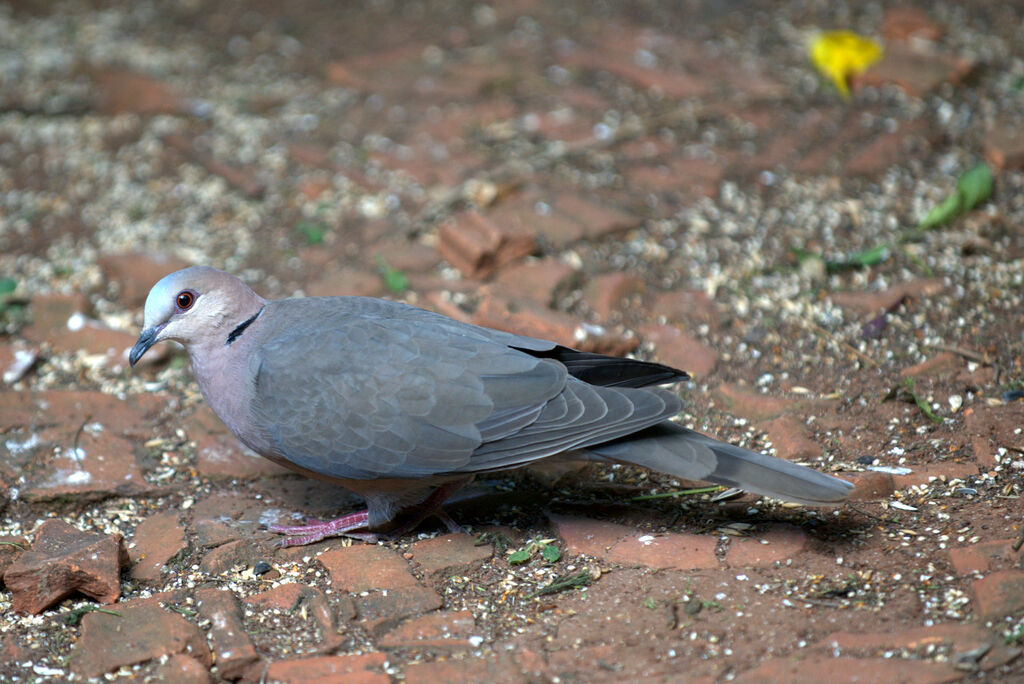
346	525
411	516
351	525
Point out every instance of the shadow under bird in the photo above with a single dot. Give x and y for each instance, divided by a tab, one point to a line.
404	406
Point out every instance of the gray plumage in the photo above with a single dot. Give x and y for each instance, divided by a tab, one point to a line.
392	401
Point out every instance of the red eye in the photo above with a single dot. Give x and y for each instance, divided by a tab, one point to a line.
185	300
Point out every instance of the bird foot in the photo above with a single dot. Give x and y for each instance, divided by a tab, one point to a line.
453	527
345	526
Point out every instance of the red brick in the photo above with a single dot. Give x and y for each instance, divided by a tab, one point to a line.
122	91
982	557
689	307
871	486
957	638
586	536
1004	145
402	255
219	454
90	465
61	562
10	549
538	280
246	179
918	72
609	292
448	630
689	177
357	669
867	303
73	407
478	246
674	84
999	593
183	669
157	539
887	149
104	645
348	280
222	559
50	313
529	318
924	472
752	405
287	597
910	639
783	543
441	302
942	365
666	551
449	554
679	350
95	339
381	611
366	567
598	220
233	650
903	23
472	670
817	669
985	425
791	438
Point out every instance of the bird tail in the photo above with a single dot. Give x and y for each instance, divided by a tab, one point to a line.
677	451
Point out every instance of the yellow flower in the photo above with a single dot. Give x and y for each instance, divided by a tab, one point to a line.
842	54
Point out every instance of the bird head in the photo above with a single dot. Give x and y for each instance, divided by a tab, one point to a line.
192	305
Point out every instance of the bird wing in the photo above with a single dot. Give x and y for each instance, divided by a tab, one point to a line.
357	388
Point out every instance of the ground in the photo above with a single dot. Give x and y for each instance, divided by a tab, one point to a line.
671	180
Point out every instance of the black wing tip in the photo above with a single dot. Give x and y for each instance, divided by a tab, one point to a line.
611	371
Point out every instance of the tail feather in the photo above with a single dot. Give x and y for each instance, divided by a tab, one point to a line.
677	451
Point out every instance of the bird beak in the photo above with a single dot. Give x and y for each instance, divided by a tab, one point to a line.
146	340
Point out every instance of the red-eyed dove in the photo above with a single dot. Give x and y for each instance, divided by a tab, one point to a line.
403	406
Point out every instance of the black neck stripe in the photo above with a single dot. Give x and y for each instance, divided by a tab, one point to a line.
237	332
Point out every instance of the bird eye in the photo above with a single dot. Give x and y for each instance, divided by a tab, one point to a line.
185	300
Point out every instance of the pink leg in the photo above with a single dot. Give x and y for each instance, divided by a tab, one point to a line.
314	532
452	526
349	525
415	514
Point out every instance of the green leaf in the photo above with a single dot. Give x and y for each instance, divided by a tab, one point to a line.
313	232
921	403
563	582
905	392
975	186
75	616
395	280
550	553
801	255
945	212
8	285
868	257
519	557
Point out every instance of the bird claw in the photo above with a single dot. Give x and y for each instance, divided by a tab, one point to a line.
345	526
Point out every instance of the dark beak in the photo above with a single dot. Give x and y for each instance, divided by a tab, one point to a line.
146	340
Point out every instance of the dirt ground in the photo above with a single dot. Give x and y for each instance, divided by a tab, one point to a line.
671	180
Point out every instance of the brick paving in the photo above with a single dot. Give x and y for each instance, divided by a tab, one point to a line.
599	176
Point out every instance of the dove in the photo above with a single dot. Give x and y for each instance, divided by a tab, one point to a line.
404	406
